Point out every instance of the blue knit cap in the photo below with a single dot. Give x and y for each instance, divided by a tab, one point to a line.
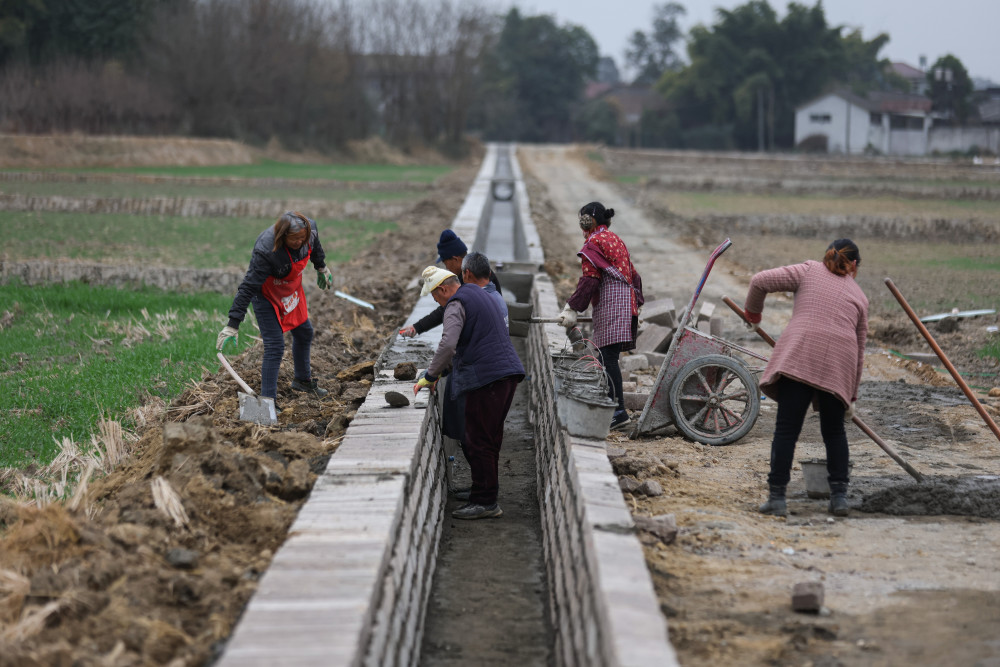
449	245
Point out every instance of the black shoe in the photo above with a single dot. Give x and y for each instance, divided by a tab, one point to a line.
620	420
310	386
775	505
474	511
462	494
838	504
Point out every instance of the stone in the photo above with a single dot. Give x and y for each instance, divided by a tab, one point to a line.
628	484
357	371
519	311
947	325
635	400
614	451
396	399
653	338
406	370
183	559
651	488
518	328
655	359
994	392
661	312
663	526
633	362
807	596
628	386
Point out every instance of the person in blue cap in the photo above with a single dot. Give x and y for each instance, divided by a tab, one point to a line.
451	251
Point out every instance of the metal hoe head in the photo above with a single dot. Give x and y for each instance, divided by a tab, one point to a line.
257	409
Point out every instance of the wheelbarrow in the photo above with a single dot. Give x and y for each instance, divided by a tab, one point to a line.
704	390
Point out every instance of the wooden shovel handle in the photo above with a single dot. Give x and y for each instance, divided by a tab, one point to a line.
225	364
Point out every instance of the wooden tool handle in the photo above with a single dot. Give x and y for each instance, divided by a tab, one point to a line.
743	316
225	364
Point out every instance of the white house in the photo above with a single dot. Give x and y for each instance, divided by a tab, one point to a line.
890	123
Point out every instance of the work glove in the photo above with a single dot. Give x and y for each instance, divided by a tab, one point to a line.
425	382
567	318
752	322
407	332
752	327
324	278
849	412
227	335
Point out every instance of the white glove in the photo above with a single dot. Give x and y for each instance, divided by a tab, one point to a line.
567	318
752	327
228	333
407	332
849	412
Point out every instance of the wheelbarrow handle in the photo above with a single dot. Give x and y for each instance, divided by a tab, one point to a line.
857	420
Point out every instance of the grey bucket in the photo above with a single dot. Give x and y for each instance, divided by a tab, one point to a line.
570	376
814	472
585	412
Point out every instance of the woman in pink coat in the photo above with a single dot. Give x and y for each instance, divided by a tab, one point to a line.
817	360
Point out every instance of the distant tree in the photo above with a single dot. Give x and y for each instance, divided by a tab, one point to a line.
749	71
533	79
653	53
596	121
863	71
950	87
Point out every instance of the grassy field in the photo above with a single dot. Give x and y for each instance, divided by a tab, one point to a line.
144	190
199	243
273	169
70	353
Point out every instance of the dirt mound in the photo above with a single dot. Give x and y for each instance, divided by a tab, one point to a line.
967	496
34	151
167	549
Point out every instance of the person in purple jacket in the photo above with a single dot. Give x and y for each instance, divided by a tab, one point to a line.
817	360
485	371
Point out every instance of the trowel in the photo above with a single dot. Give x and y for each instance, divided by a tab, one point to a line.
253	408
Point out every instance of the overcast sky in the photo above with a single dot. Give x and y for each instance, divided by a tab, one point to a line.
968	29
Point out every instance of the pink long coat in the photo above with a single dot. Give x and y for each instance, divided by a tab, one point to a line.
824	344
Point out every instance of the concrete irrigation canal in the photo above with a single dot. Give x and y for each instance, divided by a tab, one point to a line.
375	571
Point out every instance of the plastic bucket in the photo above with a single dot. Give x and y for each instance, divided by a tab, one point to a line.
585	413
814	472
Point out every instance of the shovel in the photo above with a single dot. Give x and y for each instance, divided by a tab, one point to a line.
253	408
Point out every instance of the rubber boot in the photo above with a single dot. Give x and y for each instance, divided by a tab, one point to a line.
838	499
775	504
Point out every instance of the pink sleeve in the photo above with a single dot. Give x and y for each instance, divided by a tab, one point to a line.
862	338
781	279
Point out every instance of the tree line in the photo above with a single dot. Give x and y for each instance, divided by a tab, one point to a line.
319	74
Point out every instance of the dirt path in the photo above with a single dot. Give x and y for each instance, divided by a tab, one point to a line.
913	587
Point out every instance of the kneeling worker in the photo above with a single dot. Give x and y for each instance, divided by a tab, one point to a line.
485	372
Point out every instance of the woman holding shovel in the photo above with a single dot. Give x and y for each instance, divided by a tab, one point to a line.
817	360
273	284
613	287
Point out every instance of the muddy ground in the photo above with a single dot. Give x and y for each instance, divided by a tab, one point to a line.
911	577
119	582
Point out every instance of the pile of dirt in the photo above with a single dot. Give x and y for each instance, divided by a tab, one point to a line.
964	496
156	566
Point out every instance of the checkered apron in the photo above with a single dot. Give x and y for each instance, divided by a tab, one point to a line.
613	310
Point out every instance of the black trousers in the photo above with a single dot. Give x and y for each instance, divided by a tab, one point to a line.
485	413
794	399
609	358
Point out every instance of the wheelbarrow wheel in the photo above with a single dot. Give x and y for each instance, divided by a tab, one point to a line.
715	399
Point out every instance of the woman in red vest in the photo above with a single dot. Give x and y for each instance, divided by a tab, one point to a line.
273	284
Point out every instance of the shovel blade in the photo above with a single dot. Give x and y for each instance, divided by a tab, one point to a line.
257	409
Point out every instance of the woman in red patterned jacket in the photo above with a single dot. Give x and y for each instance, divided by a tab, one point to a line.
613	287
817	360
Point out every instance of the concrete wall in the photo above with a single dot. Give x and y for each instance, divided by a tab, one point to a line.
601	597
947	139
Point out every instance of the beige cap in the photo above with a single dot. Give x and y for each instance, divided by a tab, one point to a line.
432	277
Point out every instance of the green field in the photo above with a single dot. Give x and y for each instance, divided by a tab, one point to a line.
200	243
72	353
144	190
289	170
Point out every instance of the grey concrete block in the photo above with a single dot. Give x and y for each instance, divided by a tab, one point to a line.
633	362
715	326
635	400
705	311
653	338
661	312
655	359
662	528
519	329
519	311
807	596
628	386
